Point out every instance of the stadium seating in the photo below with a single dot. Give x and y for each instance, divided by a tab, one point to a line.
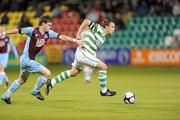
143	32
140	32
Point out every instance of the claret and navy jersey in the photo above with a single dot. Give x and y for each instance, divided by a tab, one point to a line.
36	40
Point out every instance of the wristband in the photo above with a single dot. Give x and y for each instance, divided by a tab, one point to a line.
4	33
74	40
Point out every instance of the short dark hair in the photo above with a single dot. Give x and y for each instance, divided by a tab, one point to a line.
106	22
44	19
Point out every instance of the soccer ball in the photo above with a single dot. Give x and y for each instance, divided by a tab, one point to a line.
129	98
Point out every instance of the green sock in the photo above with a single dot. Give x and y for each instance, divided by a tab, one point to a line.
103	80
64	75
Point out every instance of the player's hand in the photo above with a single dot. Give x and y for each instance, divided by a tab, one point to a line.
78	37
79	42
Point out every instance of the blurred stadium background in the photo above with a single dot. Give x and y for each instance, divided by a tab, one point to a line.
147	35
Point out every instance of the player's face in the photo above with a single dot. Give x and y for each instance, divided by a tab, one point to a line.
111	28
47	26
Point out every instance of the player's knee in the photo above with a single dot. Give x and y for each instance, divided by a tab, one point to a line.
104	67
47	74
74	72
101	66
1	68
21	81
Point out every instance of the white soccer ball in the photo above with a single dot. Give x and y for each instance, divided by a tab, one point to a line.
129	98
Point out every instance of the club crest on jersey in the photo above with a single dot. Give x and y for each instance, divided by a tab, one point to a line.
40	42
36	35
45	36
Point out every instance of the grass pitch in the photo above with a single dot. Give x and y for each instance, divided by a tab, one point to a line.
157	91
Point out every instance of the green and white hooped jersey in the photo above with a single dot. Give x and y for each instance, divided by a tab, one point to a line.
94	38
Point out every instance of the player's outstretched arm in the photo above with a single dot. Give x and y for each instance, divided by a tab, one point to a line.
83	26
26	30
67	38
13	31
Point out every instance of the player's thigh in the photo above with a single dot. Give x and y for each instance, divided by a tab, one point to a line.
23	76
44	71
4	59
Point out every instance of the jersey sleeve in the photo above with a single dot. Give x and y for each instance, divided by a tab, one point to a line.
53	35
27	30
93	26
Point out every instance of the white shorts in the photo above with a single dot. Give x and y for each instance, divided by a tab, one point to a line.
82	57
4	59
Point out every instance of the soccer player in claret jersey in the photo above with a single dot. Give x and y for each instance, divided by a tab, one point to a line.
5	45
85	55
37	38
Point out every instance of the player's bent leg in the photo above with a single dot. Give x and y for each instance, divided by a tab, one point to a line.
64	75
101	66
23	77
87	70
2	74
61	77
74	71
102	75
3	64
45	74
6	80
14	86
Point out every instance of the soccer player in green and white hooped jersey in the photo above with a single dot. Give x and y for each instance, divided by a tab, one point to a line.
85	54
